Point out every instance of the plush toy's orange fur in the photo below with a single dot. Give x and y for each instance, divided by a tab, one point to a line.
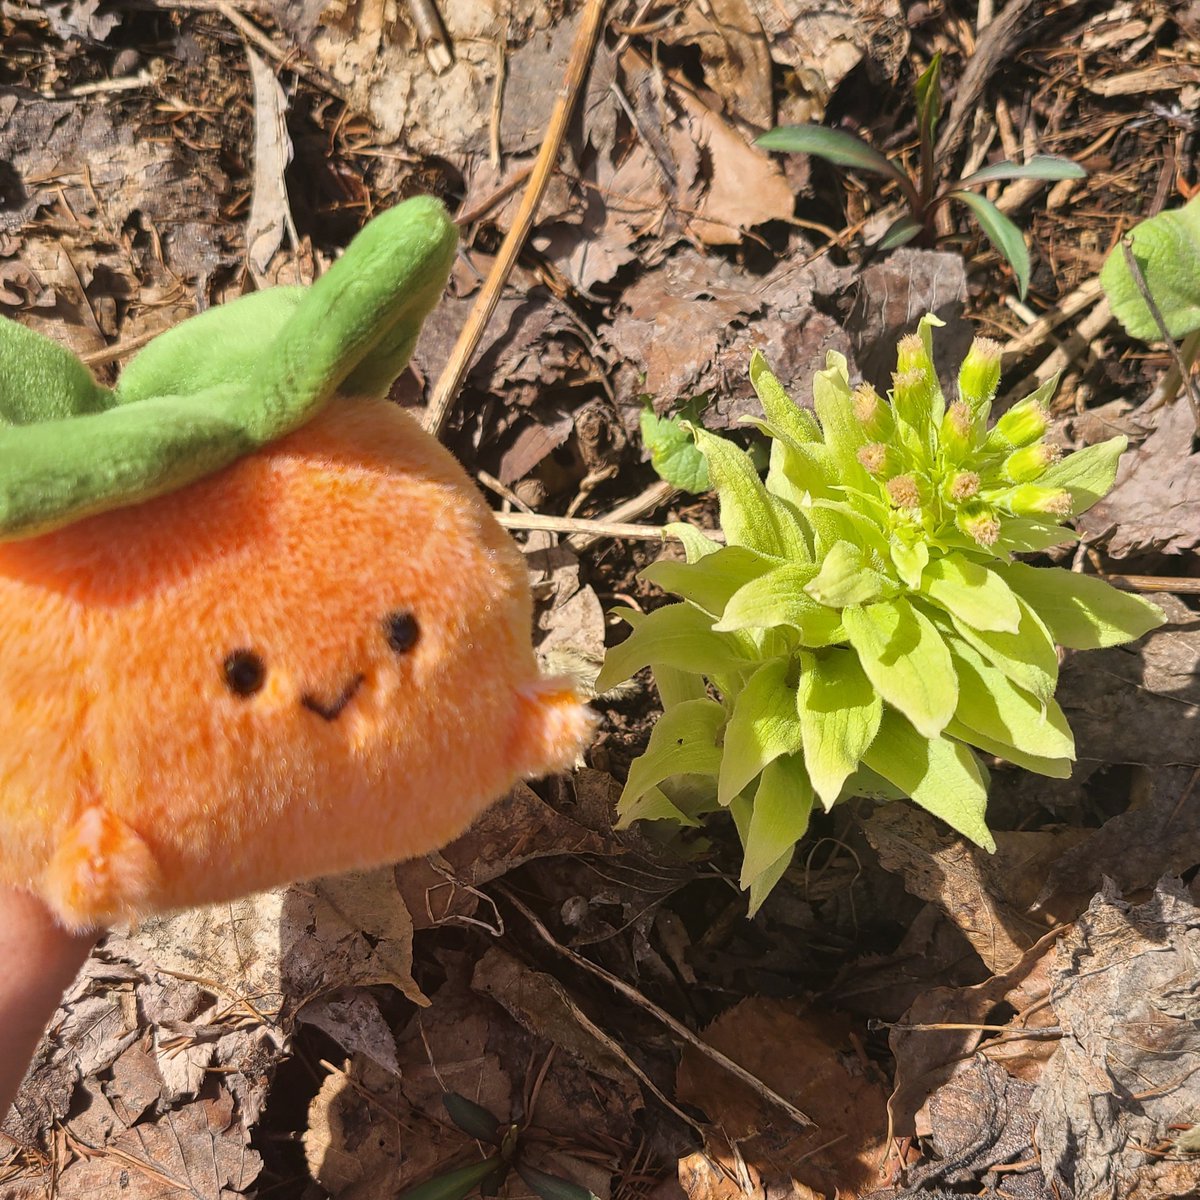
133	778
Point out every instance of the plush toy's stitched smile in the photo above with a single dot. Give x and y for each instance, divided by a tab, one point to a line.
331	712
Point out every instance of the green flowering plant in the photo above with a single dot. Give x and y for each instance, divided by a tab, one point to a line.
865	630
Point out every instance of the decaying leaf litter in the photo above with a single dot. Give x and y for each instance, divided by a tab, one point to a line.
1019	1025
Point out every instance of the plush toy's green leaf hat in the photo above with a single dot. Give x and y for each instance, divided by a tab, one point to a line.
217	386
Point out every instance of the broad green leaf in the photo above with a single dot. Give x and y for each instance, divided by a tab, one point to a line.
764	725
675	684
833	403
683	742
677	635
1027	657
836	521
783	804
673	451
454	1185
1021	536
973	593
941	775
872	786
710	582
910	561
695	544
551	1187
1087	474
847	577
900	233
473	1119
1040	166
742	811
654	805
906	659
747	516
1081	611
1054	768
1002	233
839	718
798	469
1167	249
781	411
778	598
833	145
991	703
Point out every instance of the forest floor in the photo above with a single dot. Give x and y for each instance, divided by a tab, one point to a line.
1022	1025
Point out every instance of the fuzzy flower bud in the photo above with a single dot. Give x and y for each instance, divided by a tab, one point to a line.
911	355
1033	500
1028	463
979	376
1023	424
873	413
957	435
962	486
878	459
912	397
904	491
979	522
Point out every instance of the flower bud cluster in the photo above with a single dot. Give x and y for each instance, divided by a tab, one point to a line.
938	464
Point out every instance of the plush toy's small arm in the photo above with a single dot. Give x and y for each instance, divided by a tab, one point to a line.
255	624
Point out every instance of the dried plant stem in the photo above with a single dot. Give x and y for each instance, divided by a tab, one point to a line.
485	305
646	501
1071	348
1082	297
580	525
1155	583
680	1030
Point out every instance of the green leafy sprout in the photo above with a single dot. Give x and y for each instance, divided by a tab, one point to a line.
921	191
864	630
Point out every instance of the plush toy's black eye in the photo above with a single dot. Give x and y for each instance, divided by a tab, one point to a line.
244	672
401	631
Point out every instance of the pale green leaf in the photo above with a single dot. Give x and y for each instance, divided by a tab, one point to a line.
847	577
1027	657
742	811
833	145
906	659
673	451
783	804
941	775
991	703
1087	474
683	742
1054	768
711	581
1040	166
1018	535
695	544
798	470
910	561
778	598
839	717
972	592
1167	249
675	684
1002	233
783	414
833	403
764	725
1081	611
677	635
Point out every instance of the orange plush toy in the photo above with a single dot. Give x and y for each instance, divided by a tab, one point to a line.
255	624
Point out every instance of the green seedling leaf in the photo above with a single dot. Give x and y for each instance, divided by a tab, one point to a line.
906	660
834	405
1027	657
673	451
973	593
941	775
783	804
834	145
742	810
1019	535
747	515
989	702
764	725
847	577
1040	166
710	582
1052	768
678	635
840	713
1088	474
654	805
900	233
683	742
778	598
1002	233
695	544
675	684
1167	249
473	1119
928	92
551	1187
785	416
455	1185
1081	611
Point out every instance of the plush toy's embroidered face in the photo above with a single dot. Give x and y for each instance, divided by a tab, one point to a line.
317	658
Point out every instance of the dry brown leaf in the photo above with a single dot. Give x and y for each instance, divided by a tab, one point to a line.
270	218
